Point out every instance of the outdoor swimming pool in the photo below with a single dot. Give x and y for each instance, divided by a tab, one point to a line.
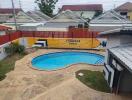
59	60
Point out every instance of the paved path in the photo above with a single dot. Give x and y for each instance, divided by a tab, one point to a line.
25	83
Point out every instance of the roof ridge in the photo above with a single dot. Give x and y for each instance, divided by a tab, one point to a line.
81	4
124	6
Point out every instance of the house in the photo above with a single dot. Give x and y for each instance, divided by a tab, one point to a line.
118	61
3	29
109	20
125	10
40	19
21	17
63	21
38	16
29	18
7	13
87	11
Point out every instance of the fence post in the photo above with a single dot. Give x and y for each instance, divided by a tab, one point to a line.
9	37
52	35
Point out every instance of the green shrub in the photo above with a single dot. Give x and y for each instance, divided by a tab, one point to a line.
21	49
14	48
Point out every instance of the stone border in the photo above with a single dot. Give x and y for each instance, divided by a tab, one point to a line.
67	65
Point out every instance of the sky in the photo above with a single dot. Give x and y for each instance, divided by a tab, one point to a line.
30	5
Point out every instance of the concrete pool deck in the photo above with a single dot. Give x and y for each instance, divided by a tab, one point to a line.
26	83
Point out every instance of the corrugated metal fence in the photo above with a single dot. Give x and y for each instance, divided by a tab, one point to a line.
72	33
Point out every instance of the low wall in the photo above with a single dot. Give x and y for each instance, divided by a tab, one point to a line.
2	50
79	43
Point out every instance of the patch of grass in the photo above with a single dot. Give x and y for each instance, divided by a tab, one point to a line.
94	80
8	64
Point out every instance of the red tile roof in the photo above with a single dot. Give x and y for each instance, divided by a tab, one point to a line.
125	7
3	28
88	7
9	10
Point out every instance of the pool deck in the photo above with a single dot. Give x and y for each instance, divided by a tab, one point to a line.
26	83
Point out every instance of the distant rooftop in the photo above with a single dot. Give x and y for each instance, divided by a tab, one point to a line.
9	10
125	7
124	53
38	16
87	7
3	28
67	16
110	17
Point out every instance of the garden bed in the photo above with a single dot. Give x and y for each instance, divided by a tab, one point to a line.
8	64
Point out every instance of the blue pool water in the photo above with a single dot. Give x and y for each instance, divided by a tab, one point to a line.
58	60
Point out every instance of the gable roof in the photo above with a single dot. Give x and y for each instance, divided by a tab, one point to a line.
67	16
63	20
21	17
3	28
125	7
9	10
110	17
38	16
87	7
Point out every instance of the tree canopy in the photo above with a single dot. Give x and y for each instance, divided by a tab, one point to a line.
47	6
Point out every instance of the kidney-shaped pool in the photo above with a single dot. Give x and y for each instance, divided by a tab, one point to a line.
59	60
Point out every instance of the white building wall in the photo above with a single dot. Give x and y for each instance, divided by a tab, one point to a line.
2	51
52	29
125	39
106	57
113	41
23	41
2	32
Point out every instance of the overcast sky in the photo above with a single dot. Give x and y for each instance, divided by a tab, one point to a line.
30	5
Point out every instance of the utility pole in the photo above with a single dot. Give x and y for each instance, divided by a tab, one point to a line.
14	14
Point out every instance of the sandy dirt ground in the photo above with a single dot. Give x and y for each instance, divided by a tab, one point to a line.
26	83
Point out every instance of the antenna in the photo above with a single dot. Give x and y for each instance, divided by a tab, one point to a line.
20	4
114	5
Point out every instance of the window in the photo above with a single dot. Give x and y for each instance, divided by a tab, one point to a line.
128	17
114	63
123	13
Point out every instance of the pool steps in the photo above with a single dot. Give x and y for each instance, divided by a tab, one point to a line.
100	61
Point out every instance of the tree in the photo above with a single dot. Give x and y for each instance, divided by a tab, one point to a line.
47	6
